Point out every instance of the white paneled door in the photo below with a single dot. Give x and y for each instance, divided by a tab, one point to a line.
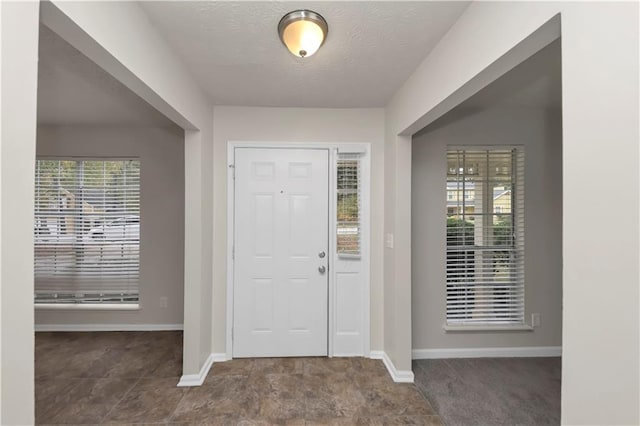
281	255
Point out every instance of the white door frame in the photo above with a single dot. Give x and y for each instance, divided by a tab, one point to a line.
333	149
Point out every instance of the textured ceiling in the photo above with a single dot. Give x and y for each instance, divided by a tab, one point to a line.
73	90
233	49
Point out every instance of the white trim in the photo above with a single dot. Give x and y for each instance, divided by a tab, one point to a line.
366	259
331	250
366	249
449	328
231	191
108	327
398	376
87	306
197	379
347	355
513	352
220	357
352	148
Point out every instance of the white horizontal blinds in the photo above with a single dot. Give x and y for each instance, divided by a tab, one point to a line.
349	205
485	236
87	231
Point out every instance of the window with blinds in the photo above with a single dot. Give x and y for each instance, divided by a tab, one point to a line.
87	231
485	236
349	205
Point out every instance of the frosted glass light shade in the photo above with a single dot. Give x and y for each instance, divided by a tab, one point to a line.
303	32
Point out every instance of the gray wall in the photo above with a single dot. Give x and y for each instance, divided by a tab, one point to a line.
540	132
161	153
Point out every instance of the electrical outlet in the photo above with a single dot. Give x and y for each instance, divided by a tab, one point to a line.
164	302
535	320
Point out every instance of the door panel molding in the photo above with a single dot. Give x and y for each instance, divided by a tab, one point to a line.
282	222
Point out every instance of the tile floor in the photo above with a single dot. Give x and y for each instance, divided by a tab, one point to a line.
130	377
492	391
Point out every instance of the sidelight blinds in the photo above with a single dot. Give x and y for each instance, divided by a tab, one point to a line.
349	205
485	236
87	231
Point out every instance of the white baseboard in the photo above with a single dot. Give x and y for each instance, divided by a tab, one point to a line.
220	357
197	379
108	327
513	352
398	376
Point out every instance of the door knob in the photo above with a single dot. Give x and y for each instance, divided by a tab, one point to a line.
322	269
321	255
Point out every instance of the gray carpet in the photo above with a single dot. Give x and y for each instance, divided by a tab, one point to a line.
492	391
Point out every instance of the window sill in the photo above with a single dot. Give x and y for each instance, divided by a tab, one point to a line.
484	328
349	256
86	307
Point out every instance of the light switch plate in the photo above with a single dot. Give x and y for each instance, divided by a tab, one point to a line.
389	240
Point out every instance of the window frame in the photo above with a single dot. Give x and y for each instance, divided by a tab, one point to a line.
108	302
517	247
358	193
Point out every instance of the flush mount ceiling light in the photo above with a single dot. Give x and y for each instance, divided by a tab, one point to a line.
303	32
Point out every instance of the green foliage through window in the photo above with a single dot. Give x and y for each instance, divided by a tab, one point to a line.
348	206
